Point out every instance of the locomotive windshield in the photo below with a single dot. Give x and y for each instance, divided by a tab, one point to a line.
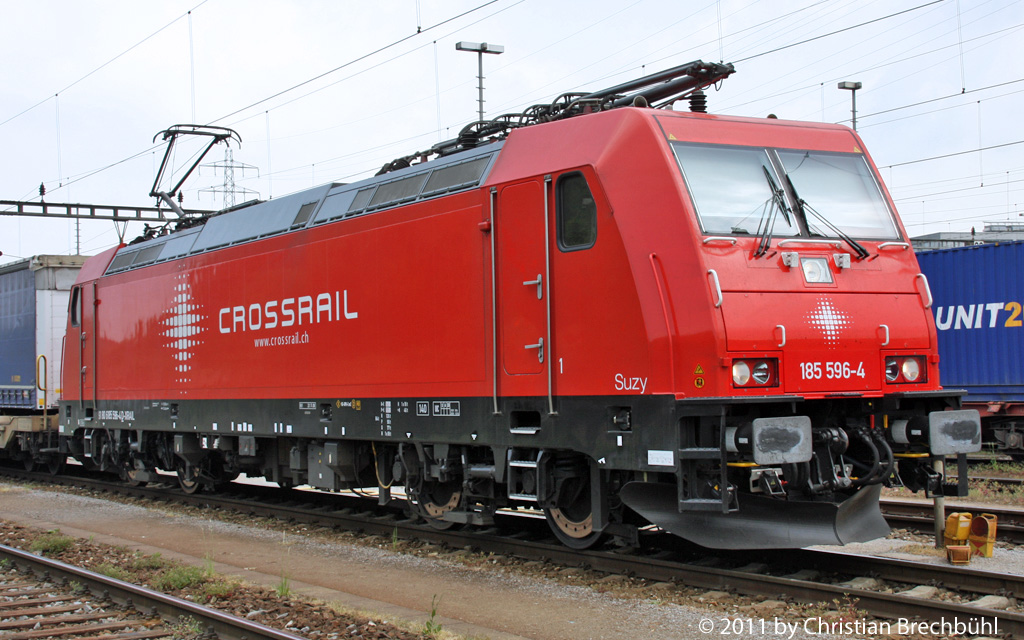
734	192
730	189
841	188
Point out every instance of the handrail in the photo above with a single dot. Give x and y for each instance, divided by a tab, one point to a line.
494	303
547	293
658	278
927	290
711	239
45	384
718	287
902	245
835	243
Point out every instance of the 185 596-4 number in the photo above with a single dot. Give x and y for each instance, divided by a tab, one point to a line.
831	370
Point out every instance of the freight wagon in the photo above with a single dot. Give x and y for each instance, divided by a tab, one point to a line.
34	295
978	293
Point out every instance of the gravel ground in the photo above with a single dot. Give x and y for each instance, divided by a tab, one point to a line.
473	594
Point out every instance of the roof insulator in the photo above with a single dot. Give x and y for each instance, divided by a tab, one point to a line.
698	101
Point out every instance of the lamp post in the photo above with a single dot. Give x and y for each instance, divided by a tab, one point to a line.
480	48
852	88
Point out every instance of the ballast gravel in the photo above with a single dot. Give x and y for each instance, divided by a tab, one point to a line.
470	594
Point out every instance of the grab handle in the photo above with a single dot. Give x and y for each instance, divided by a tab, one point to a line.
718	287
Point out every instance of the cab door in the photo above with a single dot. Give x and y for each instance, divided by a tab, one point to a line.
523	286
87	345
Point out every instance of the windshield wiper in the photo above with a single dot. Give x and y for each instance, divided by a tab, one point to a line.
778	204
803	207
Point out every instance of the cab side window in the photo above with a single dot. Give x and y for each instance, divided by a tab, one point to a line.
576	213
76	306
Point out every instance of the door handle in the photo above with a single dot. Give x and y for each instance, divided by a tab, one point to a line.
539	347
539	282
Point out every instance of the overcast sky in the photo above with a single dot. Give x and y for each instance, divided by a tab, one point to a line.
87	85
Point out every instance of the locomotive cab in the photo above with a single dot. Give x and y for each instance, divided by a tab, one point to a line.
824	355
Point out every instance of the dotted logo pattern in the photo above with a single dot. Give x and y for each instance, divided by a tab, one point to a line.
830	321
182	328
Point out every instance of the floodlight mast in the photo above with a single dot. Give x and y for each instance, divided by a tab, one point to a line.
480	48
852	88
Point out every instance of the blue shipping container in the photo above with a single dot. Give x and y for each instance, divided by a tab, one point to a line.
978	296
17	336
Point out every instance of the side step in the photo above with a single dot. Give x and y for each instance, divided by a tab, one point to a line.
689	483
522	477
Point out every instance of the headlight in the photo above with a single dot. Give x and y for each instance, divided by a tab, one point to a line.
816	270
740	373
905	369
892	369
760	372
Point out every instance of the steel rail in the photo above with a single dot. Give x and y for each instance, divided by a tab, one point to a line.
1009	482
168	607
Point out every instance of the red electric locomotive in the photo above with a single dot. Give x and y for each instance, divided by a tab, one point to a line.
617	313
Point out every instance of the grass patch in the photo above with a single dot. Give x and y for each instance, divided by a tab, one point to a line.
993	492
113	571
51	543
149	563
284	586
186	628
432	627
220	589
180	577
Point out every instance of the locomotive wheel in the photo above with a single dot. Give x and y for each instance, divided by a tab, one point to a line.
438	498
188	478
572	521
55	465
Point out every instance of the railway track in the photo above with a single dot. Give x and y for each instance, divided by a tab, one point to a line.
998	480
894	589
917	515
33	606
42	598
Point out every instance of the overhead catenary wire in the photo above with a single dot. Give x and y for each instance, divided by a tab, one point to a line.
354	61
951	155
105	64
321	161
838	31
887	63
393	44
729	38
375	66
186	15
817	37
